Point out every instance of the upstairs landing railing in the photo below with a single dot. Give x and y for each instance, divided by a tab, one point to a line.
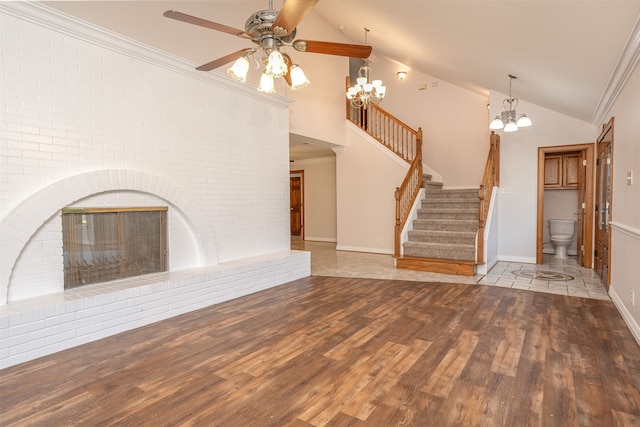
404	142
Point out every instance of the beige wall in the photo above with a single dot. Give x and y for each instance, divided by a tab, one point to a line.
517	211
319	198
367	177
625	230
318	111
454	120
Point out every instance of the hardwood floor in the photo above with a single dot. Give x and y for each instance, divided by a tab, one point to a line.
348	352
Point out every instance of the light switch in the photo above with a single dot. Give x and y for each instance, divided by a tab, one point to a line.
630	178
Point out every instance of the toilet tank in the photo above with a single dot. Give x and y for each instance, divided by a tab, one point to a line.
562	226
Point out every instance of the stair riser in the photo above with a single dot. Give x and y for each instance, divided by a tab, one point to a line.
444	204
457	254
432	185
425	214
445	228
451	194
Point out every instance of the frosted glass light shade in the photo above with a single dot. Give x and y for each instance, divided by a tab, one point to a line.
239	69
298	79
524	121
266	83
511	126
496	124
277	67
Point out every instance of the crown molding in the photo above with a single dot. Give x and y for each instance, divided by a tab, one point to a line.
622	72
53	19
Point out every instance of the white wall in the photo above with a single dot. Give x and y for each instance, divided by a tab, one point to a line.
519	169
319	198
625	227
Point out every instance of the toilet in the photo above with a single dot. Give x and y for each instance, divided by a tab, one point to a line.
561	232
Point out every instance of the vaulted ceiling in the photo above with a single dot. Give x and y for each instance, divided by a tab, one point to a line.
564	52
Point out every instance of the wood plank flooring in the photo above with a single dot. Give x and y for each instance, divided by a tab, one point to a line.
348	352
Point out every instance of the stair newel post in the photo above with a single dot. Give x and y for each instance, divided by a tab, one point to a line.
398	226
481	222
495	147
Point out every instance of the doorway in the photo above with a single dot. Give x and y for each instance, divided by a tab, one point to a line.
296	203
574	168
604	166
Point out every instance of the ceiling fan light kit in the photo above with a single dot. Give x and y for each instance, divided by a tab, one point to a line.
508	119
272	30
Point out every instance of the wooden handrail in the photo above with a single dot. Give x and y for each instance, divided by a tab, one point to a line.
490	179
385	128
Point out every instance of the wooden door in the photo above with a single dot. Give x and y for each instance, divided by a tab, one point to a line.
295	195
602	253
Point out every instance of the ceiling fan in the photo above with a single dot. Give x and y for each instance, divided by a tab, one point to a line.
271	30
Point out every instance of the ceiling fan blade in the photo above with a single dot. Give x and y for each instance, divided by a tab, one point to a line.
221	61
291	14
287	76
329	48
174	14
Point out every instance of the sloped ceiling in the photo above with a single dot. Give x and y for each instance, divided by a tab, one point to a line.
564	52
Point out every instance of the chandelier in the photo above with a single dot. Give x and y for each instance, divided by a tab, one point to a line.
277	65
365	91
509	119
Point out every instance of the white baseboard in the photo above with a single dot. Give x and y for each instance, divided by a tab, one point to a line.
524	260
631	323
367	250
320	239
487	266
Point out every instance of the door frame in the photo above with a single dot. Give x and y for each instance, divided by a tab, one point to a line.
606	139
300	173
587	151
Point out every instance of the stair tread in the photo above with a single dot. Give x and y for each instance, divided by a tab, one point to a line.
459	209
440	245
444	232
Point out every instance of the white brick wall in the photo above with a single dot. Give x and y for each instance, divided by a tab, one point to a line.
92	113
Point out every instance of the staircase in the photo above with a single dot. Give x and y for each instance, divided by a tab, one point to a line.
448	234
443	238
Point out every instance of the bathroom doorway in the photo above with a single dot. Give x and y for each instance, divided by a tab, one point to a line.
567	173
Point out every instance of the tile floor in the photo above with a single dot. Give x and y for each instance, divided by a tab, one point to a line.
550	277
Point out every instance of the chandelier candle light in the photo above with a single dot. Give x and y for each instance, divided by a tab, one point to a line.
365	91
509	119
